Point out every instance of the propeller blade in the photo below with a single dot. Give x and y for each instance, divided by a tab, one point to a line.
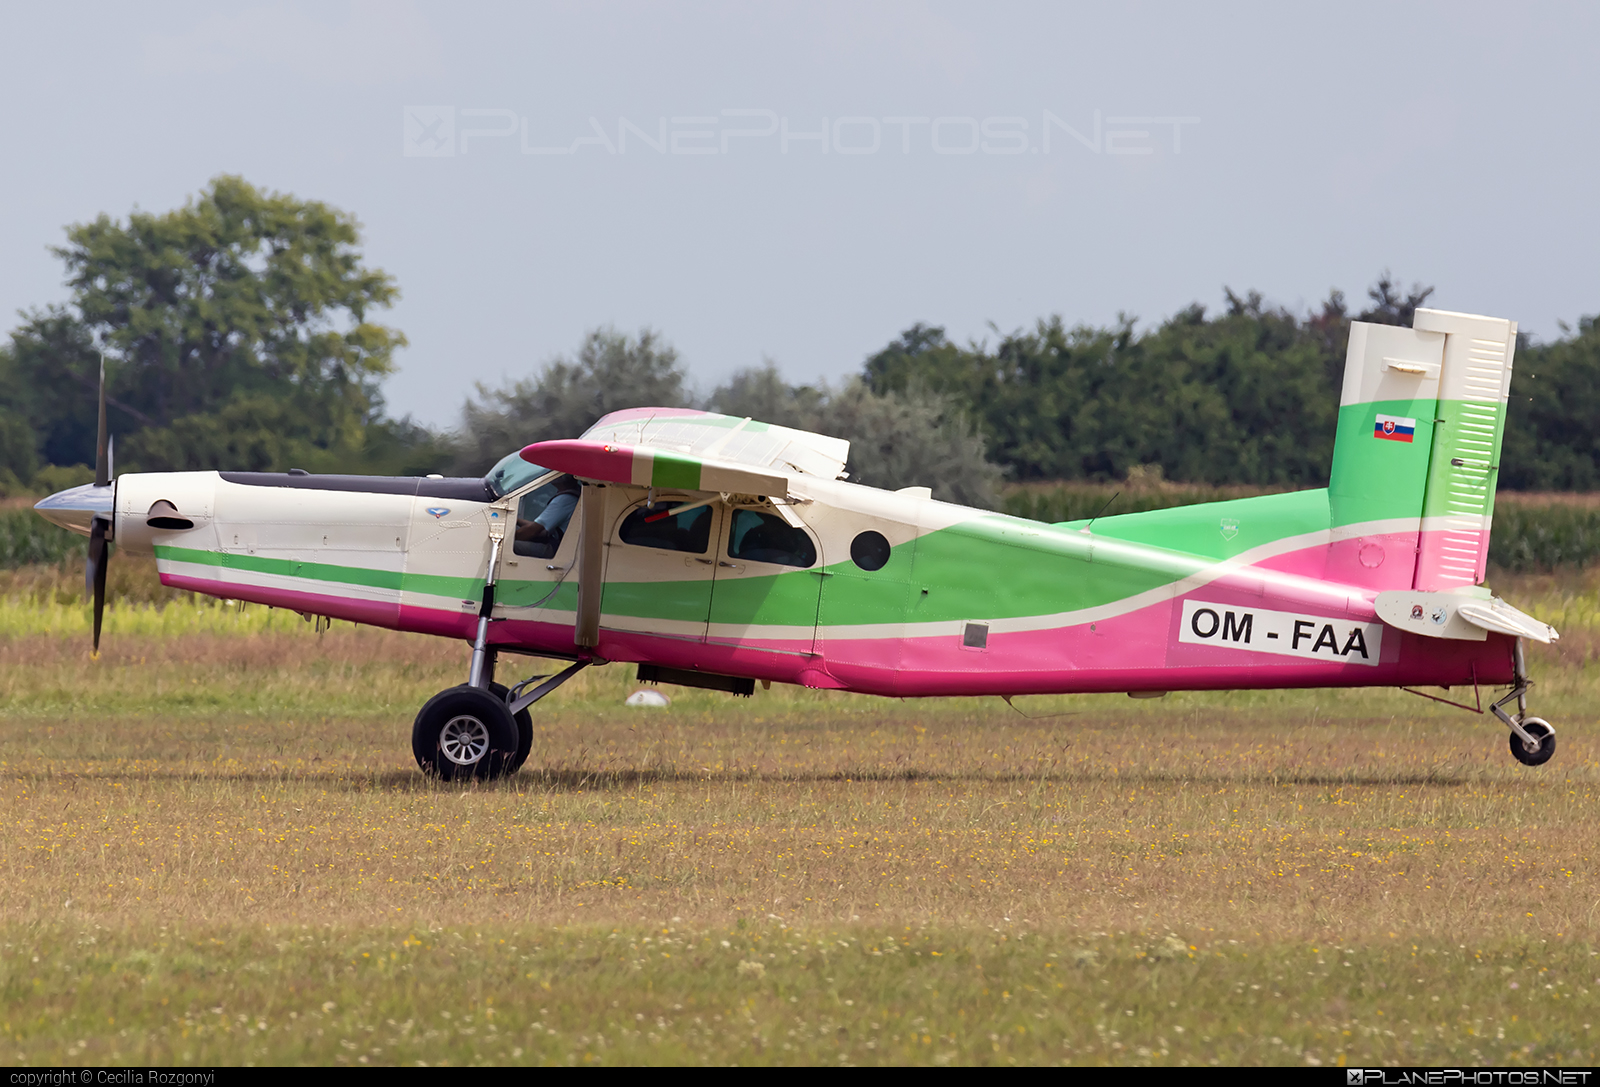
94	575
102	450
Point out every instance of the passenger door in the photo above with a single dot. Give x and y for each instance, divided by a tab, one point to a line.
767	584
660	566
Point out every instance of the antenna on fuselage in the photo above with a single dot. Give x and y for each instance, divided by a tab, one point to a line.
1096	517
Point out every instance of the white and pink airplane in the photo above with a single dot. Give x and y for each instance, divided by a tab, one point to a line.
717	552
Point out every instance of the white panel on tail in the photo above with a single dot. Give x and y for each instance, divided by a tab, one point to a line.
1386	362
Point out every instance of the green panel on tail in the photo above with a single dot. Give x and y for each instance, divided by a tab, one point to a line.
1470	432
1376	479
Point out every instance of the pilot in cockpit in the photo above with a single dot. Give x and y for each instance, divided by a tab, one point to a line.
543	516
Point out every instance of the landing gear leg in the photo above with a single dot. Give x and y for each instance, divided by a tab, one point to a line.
518	702
481	673
1533	741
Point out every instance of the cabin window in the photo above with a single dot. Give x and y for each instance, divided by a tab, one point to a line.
761	537
660	527
870	550
543	516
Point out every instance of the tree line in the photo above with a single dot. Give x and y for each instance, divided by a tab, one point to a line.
240	332
1247	396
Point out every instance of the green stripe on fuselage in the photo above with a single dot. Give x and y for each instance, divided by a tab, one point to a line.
464	588
1219	530
261	564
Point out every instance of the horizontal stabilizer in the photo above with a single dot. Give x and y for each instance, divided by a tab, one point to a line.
642	466
1457	616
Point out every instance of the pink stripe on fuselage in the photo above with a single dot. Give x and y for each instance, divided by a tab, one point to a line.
1137	650
376	613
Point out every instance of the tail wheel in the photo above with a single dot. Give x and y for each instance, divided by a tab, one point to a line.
465	734
1540	730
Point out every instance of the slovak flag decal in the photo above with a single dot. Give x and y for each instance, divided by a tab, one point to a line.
1394	429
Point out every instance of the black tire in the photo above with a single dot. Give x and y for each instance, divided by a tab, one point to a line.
464	734
524	721
1540	729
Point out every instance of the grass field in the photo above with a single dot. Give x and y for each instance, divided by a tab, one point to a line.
218	850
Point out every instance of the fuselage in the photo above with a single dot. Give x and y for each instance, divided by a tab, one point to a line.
959	602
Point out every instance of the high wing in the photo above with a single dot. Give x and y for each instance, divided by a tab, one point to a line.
647	466
706	436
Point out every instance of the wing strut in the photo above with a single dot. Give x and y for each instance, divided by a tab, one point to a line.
591	566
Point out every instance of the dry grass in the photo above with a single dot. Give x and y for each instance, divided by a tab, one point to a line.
282	788
230	819
1585	500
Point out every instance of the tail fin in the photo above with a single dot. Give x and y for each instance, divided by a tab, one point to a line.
1417	452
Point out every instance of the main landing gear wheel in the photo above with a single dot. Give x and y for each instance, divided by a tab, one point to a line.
524	721
465	734
1539	753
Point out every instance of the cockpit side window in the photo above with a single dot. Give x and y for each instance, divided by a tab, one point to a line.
689	531
543	515
510	473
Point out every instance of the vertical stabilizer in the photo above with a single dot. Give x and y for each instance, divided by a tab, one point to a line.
1421	417
1380	455
1458	505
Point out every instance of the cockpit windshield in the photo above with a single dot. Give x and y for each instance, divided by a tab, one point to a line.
511	473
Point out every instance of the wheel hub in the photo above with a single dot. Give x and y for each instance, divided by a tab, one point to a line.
464	740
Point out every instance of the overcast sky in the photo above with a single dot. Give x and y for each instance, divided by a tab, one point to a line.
527	172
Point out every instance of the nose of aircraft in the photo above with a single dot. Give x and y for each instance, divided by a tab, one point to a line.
76	507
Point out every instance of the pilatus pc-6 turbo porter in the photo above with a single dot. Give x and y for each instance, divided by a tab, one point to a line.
714	552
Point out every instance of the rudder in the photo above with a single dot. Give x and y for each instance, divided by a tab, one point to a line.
1458	506
1421	418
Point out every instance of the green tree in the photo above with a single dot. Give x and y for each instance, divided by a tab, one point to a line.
1553	419
18	459
1247	396
898	438
48	377
242	309
610	371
